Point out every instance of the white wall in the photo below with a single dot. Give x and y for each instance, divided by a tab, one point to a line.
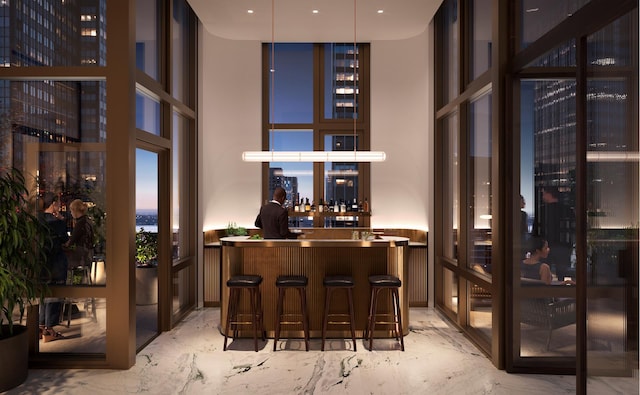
401	118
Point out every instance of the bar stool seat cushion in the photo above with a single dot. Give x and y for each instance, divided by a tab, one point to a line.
384	280
292	281
244	281
338	281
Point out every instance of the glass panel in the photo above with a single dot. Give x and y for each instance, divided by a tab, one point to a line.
481	40
181	51
561	56
450	290
180	186
146	246
291	91
538	17
450	45
613	216
296	178
451	170
147	113
341	184
36	34
480	309
147	22
544	310
183	293
341	80
479	182
81	321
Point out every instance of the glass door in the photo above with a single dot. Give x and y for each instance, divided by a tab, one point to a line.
146	256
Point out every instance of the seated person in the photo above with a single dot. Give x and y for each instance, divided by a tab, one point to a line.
534	266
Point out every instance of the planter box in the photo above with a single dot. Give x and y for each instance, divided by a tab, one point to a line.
14	358
146	285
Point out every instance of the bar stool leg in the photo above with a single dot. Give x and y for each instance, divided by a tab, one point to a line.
352	323
305	316
398	320
278	316
254	316
372	319
325	318
229	313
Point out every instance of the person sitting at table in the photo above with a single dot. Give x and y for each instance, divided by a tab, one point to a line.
273	218
535	266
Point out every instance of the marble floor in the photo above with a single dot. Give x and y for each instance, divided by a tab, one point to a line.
189	360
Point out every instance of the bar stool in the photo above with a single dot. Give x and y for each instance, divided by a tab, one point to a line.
332	283
292	282
236	284
379	283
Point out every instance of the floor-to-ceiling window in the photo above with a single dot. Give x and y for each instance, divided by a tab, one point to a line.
69	112
559	256
317	99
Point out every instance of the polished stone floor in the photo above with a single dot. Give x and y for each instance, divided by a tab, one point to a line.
189	360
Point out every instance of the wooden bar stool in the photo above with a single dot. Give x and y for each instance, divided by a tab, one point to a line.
332	283
236	284
292	282
379	283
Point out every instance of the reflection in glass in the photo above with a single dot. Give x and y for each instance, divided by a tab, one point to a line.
479	182
563	55
450	58
180	187
39	33
183	295
480	309
481	39
450	290
147	113
612	202
147	37
537	17
181	51
82	327
450	177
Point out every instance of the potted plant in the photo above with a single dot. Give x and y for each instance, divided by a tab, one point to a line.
146	267
23	242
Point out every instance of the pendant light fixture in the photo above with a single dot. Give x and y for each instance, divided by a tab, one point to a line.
315	156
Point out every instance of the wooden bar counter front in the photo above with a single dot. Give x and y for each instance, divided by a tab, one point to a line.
316	258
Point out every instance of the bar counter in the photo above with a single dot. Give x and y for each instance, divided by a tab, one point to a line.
317	258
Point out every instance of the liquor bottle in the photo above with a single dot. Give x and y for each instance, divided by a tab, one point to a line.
365	206
336	209
360	206
343	206
321	206
326	207
296	206
354	205
313	206
307	205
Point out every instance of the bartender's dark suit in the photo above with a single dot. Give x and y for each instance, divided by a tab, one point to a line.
273	219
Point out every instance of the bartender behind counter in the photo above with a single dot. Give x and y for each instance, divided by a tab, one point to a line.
273	218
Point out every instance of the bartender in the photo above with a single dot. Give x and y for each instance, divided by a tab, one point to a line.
273	218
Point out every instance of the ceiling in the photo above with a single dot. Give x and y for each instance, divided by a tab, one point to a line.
334	21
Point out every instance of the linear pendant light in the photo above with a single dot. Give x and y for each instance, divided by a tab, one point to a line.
315	156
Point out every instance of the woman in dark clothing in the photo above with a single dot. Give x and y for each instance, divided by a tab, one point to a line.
56	262
534	266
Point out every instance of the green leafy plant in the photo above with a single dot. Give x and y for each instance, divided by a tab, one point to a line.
146	249
235	230
23	244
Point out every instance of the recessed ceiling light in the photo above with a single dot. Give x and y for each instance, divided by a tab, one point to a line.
380	11
249	11
315	11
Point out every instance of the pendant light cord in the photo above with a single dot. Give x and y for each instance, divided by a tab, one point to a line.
355	50
272	72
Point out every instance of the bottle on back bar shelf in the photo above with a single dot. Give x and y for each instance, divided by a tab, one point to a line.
365	206
321	206
307	205
313	206
326	207
343	206
336	209
354	205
